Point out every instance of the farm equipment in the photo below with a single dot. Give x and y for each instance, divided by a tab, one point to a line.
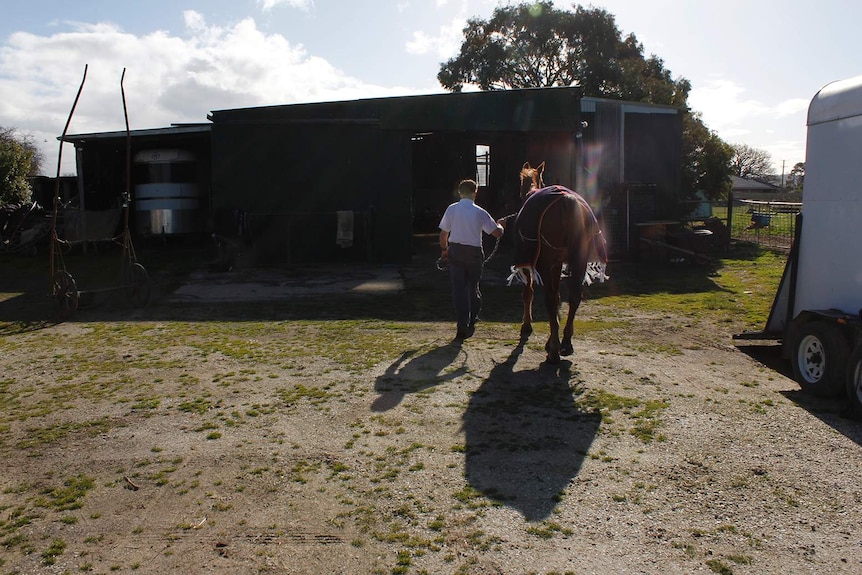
133	278
23	229
817	310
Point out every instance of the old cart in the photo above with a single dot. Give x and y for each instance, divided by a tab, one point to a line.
132	277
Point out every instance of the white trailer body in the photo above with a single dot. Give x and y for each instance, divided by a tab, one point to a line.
817	312
830	253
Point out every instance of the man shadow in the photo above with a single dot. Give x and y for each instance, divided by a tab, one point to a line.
412	373
526	437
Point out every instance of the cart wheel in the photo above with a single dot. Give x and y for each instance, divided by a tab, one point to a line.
65	291
819	359
137	282
854	381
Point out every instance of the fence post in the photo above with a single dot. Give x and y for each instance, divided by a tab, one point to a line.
730	212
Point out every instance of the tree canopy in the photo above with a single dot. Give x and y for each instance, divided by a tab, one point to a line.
537	45
532	45
797	177
19	160
705	159
749	162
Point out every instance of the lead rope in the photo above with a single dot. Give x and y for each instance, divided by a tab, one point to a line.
443	263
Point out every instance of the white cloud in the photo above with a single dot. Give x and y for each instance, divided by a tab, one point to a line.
444	45
739	119
194	20
168	79
305	5
723	106
792	106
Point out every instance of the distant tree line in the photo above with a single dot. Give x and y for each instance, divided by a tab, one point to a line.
534	44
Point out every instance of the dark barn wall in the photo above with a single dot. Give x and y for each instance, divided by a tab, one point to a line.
631	160
102	169
292	179
289	166
558	153
653	148
439	162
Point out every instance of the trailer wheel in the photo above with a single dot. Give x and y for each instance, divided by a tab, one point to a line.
819	357
854	380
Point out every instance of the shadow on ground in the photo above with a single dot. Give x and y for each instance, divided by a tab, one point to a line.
834	412
25	302
526	438
412	373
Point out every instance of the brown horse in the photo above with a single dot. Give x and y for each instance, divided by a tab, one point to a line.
555	226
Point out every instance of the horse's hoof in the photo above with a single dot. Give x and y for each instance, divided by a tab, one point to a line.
567	350
553	359
526	329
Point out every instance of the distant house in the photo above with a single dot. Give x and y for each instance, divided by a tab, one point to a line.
744	187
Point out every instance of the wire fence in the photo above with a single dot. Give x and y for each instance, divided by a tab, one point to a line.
768	224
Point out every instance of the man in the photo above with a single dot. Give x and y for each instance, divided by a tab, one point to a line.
461	242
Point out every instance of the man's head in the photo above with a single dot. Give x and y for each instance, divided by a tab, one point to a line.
467	188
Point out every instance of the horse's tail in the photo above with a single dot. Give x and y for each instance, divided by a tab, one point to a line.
591	246
601	246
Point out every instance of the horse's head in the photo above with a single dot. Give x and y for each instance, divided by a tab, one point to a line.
531	178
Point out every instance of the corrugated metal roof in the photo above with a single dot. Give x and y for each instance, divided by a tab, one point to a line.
588	104
539	109
174	130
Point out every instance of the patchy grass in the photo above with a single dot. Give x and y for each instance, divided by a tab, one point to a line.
246	379
738	288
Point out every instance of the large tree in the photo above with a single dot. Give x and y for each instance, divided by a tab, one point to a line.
705	159
19	160
797	177
749	162
537	45
533	45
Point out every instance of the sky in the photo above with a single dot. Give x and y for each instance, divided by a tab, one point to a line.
754	65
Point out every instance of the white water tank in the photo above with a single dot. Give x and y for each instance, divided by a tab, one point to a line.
167	197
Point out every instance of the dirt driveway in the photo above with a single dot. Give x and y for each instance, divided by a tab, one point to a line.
203	438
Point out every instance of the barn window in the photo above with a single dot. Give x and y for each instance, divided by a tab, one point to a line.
483	164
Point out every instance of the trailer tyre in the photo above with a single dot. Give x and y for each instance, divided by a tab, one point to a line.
820	355
854	381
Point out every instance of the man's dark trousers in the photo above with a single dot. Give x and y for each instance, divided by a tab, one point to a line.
465	271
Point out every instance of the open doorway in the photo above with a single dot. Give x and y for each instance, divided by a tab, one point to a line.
483	165
441	159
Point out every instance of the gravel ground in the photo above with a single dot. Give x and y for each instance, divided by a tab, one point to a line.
658	448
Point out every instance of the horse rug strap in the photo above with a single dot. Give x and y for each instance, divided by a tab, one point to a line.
529	229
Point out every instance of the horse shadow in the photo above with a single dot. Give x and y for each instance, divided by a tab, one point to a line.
412	373
526	437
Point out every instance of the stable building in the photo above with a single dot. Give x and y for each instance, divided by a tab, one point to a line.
355	180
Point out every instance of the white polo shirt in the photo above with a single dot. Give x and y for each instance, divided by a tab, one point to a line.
465	222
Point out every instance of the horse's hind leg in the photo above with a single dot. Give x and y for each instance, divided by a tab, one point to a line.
569	329
527	297
552	305
576	290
